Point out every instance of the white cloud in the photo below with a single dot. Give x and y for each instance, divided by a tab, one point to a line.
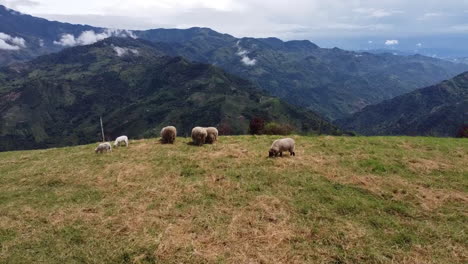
432	15
370	42
6	46
244	56
419	45
66	40
8	42
459	28
14	4
248	61
90	37
376	13
124	51
392	42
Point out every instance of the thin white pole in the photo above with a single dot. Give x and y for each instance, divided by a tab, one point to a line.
102	129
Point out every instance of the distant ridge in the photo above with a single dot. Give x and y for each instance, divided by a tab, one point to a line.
439	110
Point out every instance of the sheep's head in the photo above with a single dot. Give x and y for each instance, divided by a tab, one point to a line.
96	150
272	153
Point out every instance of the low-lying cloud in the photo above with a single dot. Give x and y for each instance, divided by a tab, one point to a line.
392	42
89	37
124	51
8	42
244	56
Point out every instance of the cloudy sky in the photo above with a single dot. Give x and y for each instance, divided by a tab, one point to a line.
371	22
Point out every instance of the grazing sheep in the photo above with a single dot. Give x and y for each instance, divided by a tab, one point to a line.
199	135
103	147
168	135
120	140
280	145
212	135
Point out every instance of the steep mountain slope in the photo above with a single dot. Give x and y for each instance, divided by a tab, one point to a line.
57	99
439	110
332	82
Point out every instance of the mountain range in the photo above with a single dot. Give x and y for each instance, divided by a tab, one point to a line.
57	99
438	110
58	79
332	82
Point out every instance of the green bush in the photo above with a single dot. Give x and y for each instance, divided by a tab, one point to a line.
273	128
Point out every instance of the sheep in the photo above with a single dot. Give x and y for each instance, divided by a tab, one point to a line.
212	135
199	135
103	147
280	145
168	135
120	140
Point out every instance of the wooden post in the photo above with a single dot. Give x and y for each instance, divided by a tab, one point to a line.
102	130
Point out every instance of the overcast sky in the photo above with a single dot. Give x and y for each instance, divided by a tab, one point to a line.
294	19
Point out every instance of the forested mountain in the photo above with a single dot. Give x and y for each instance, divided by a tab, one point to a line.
57	99
439	110
333	82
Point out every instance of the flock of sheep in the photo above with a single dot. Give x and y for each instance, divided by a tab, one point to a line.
200	136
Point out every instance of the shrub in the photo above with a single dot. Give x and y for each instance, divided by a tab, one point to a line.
257	125
224	129
463	132
273	128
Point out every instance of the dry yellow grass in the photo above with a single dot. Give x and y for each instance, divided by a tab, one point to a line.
340	200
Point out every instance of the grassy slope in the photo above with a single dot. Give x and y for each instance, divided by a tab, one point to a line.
340	200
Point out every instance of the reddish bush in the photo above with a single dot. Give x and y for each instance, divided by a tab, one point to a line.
463	132
224	129
256	126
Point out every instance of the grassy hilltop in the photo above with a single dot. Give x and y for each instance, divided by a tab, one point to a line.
340	200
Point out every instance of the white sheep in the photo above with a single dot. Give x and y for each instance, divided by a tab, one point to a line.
168	135
199	135
103	147
212	135
280	145
120	140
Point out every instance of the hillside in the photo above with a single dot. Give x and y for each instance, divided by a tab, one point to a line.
340	200
56	100
438	110
332	82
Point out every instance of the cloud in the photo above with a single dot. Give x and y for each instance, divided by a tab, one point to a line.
371	27
8	42
432	15
419	45
376	13
15	4
370	42
125	51
392	42
89	37
459	28
295	19
244	56
248	62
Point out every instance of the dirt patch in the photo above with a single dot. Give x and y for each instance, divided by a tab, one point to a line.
425	166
